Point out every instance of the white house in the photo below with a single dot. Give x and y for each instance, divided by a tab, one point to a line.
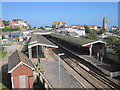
20	39
78	29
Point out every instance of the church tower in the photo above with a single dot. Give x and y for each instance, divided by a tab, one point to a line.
105	23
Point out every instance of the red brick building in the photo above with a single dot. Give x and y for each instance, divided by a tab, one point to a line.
21	70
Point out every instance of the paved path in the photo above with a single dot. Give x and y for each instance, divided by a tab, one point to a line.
51	73
9	50
12	48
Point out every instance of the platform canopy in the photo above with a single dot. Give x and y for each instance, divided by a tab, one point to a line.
40	40
80	41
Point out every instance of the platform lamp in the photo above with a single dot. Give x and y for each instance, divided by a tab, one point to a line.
60	54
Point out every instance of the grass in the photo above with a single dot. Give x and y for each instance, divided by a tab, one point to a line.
2	54
2	86
20	43
7	45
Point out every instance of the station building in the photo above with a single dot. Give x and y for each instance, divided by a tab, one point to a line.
21	70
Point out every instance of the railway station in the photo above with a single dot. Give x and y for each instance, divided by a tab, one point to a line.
40	47
81	46
44	47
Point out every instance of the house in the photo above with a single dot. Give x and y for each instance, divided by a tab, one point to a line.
18	23
20	39
6	34
15	34
48	28
80	30
58	24
113	28
21	69
1	23
92	27
5	41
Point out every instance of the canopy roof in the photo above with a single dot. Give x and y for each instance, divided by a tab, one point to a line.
80	41
40	40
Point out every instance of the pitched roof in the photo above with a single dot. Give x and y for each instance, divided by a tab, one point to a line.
90	26
80	41
16	58
41	40
55	22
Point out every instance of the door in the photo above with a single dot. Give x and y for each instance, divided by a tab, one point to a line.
22	81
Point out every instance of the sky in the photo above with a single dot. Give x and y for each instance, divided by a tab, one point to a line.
73	13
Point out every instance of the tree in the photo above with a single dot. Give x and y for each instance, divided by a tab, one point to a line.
111	40
24	26
6	23
92	35
116	47
87	29
29	26
8	27
47	26
34	27
41	27
101	31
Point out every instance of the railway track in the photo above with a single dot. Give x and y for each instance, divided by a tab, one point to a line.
74	62
85	73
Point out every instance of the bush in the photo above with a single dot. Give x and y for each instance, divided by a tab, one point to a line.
41	68
101	31
92	35
111	51
10	29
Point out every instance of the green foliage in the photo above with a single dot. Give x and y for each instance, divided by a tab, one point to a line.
40	28
116	47
101	31
10	29
41	68
34	28
92	35
7	27
29	26
87	29
110	41
3	37
114	44
111	51
2	54
47	26
6	23
53	26
24	26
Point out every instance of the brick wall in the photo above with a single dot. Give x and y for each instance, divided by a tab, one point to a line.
22	70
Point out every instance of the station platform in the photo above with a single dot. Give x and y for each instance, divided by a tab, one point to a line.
105	67
51	73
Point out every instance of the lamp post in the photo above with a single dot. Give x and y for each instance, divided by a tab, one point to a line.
60	54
